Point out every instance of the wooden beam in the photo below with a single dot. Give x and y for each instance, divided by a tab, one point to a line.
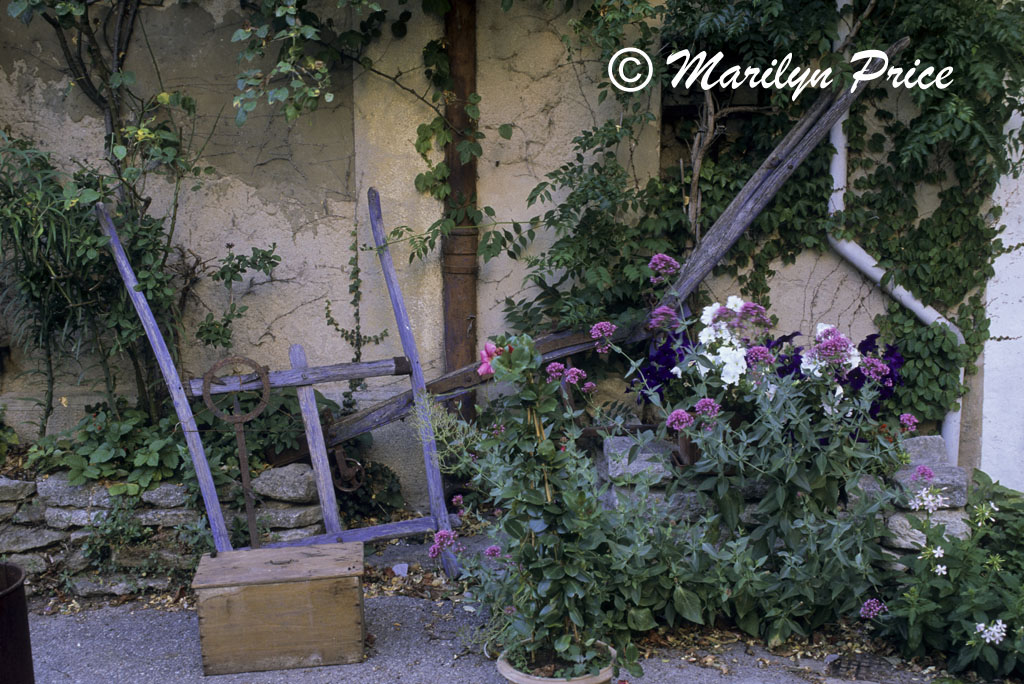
398	365
221	540
421	399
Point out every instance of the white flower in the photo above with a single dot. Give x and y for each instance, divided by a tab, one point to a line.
939	553
811	367
677	371
734	303
854	359
994	634
734	364
707	335
771	390
708	314
940	569
822	327
927	499
980	627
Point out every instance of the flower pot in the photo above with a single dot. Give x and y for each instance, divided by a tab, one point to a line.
516	677
15	647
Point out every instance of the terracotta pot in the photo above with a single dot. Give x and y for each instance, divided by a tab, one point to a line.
516	677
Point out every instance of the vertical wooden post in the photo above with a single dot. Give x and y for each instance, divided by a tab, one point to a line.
435	489
458	250
221	540
315	440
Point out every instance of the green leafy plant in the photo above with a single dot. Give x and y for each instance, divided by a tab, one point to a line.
963	597
549	590
117	529
217	333
8	437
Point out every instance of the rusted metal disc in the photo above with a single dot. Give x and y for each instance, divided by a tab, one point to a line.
261	372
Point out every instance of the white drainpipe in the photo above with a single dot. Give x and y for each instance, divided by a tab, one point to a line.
866	264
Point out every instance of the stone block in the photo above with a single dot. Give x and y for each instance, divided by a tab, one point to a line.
150	557
651	460
950	480
15	538
31	512
278	515
31	563
166	517
296	533
55	491
929	451
292	483
116	585
7	510
16	490
63	518
166	495
905	537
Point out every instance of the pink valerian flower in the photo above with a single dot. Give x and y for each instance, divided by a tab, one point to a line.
492	551
574	375
909	422
759	355
457	500
924	473
555	370
443	540
602	332
707	407
873	608
873	368
589	388
663	265
679	420
663	317
745	320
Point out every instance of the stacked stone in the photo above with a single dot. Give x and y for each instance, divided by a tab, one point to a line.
43	524
950	480
614	467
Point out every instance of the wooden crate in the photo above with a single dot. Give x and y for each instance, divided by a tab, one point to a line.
276	609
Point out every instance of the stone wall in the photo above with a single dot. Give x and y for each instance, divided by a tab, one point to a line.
45	522
614	467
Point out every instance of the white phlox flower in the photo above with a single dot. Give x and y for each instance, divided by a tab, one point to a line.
734	303
940	569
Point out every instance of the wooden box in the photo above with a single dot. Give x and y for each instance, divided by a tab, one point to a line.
276	609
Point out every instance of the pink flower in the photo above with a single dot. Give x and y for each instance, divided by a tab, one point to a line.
908	421
574	375
923	472
555	370
602	332
489	351
492	551
663	317
872	608
759	354
457	500
707	407
679	420
485	370
589	388
663	265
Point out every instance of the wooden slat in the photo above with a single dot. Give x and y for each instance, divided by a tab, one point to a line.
435	488
315	440
399	365
221	540
267	565
404	528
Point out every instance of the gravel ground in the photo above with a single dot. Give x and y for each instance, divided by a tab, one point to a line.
416	641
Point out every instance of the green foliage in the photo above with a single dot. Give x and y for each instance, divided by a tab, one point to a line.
379	497
119	445
217	333
117	529
548	593
982	581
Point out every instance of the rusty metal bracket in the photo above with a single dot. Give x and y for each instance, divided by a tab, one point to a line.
238	420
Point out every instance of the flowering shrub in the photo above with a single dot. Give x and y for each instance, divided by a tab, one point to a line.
964	598
788	423
549	581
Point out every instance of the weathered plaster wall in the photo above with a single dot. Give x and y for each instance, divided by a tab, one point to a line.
304	186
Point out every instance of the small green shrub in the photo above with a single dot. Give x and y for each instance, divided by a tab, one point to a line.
8	437
117	530
964	598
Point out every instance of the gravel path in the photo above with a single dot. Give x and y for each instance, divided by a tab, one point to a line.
416	641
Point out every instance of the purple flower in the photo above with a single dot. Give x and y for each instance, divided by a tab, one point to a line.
679	420
663	265
759	354
602	332
872	608
555	370
876	369
457	500
663	317
908	421
574	375
923	472
707	407
492	551
589	388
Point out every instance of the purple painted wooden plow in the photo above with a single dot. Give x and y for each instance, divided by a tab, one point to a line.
303	378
